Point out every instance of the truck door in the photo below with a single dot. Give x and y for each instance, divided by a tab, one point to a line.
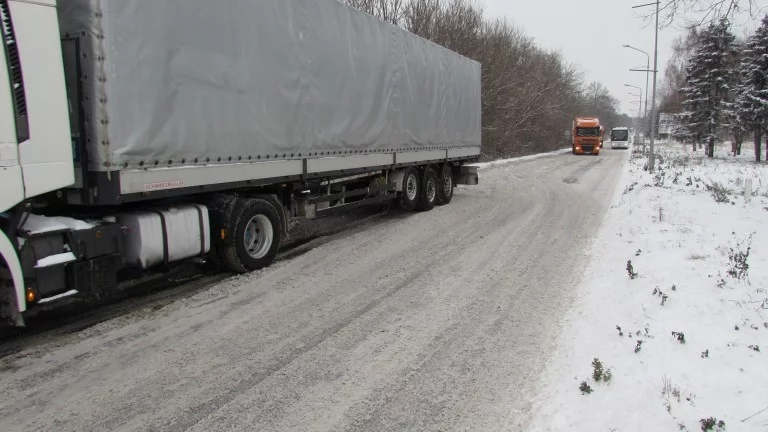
13	116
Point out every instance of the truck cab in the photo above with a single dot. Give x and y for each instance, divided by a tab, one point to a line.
35	139
586	134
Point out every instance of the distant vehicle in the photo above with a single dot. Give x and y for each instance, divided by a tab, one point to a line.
586	134
620	138
602	136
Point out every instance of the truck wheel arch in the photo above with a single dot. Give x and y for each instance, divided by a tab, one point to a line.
10	259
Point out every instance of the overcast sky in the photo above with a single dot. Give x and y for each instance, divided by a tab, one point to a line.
590	33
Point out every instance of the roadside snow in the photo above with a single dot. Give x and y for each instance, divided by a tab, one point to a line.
702	333
498	162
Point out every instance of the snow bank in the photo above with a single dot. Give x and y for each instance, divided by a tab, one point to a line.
684	340
499	162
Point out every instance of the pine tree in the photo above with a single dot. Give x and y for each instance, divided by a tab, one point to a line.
734	119
707	102
752	99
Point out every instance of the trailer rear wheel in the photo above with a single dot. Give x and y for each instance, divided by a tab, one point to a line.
256	237
409	196
445	185
429	190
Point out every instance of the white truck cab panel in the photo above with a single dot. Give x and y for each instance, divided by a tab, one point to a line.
10	172
35	149
46	156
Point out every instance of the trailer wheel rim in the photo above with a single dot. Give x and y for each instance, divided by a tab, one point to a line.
258	236
431	190
447	184
411	187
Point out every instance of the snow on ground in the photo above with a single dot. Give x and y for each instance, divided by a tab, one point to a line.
684	340
500	162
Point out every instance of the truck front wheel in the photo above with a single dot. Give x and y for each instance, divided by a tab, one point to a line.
255	239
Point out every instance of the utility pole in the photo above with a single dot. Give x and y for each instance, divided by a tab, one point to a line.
651	156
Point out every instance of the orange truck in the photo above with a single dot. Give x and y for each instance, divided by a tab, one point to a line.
586	133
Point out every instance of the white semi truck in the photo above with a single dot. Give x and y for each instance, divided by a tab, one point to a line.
136	135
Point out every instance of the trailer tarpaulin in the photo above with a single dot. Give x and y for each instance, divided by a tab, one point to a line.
185	82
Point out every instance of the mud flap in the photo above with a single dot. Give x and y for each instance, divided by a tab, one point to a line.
466	175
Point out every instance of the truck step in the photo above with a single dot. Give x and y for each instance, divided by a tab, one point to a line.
54	260
58	296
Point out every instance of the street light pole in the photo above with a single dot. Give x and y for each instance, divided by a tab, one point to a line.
651	157
639	108
647	73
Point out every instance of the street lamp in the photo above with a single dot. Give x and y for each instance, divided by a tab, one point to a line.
647	73
651	157
640	89
639	111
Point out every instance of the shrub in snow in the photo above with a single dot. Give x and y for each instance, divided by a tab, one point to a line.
597	369
720	193
599	373
585	388
738	267
639	346
709	424
754	348
679	336
621	333
705	354
631	270
630	188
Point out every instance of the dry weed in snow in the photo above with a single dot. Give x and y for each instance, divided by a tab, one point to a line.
701	247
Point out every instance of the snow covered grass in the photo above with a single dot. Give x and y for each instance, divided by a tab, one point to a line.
686	338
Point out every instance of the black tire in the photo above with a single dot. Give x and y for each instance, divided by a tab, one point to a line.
429	190
409	197
445	185
252	217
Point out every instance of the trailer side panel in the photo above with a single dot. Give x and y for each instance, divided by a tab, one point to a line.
176	83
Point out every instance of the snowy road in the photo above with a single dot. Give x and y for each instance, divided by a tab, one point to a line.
424	321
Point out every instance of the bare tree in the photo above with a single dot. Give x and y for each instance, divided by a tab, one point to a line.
529	95
704	12
388	10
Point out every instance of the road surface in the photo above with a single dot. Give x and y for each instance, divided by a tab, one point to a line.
421	321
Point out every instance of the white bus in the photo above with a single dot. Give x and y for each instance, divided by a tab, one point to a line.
620	138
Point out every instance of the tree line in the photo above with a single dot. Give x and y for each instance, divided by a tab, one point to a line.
718	87
529	95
